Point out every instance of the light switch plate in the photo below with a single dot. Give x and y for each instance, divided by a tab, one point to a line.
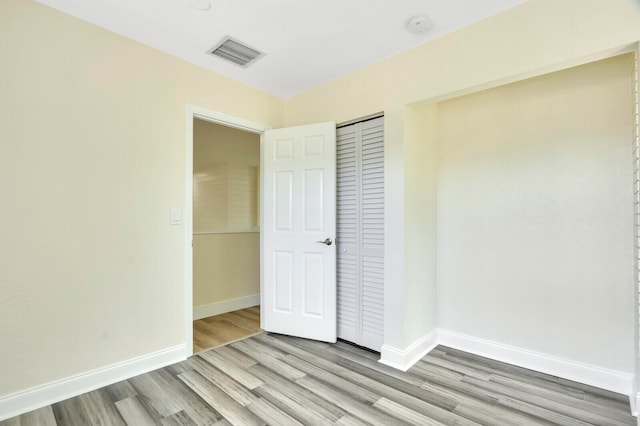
176	217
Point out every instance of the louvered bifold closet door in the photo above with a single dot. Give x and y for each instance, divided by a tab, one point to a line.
348	230
360	236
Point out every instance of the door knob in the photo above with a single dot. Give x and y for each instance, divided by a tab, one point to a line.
326	241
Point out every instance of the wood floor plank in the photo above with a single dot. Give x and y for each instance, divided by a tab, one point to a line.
494	417
374	364
349	420
346	402
609	403
516	373
70	412
360	393
446	382
606	411
480	411
419	400
473	387
297	393
181	367
393	386
433	368
532	405
42	417
462	369
289	345
238	374
550	415
363	352
134	412
235	413
158	402
190	403
300	412
235	356
268	412
405	414
100	409
121	390
555	406
593	390
253	348
525	394
268	357
234	389
180	419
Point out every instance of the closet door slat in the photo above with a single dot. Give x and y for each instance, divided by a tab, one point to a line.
348	230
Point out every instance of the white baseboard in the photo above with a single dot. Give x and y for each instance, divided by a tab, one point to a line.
30	399
634	398
204	311
615	381
403	359
634	401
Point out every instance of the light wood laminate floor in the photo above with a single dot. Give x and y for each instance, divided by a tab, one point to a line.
225	328
280	380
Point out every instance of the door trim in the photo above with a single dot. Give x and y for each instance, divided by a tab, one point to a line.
201	113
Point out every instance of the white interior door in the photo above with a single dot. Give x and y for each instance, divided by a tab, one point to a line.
298	231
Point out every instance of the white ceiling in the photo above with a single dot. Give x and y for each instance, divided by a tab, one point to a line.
306	42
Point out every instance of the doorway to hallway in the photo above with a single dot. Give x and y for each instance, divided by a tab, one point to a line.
226	234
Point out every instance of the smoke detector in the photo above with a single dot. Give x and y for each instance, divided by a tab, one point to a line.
236	52
419	24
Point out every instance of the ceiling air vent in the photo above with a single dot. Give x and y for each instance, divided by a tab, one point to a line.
235	52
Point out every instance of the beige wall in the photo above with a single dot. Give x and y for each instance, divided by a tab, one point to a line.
225	265
92	160
531	39
535	214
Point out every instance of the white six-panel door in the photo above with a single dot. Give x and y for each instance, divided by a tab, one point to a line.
298	232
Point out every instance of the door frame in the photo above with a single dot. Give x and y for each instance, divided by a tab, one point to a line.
201	113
